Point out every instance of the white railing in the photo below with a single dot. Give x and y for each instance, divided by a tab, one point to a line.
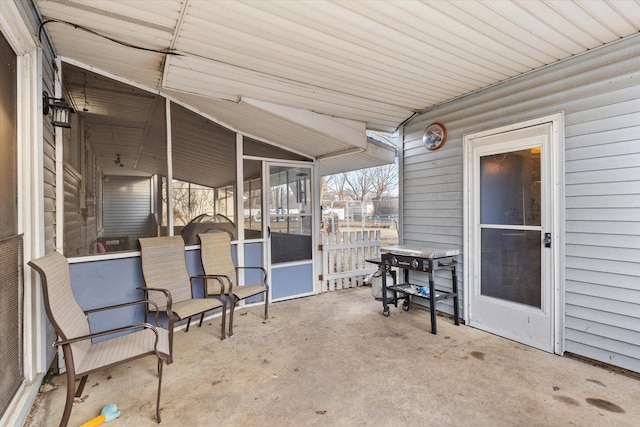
344	258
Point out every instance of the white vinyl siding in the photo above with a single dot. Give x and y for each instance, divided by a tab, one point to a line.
599	92
432	203
602	174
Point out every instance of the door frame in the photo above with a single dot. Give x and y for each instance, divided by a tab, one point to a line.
556	199
31	223
315	213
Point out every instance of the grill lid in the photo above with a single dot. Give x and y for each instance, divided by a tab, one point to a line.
420	252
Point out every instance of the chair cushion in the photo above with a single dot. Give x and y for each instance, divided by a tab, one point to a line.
241	292
116	350
246	291
192	307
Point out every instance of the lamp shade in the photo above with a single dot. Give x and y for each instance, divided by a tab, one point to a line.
60	110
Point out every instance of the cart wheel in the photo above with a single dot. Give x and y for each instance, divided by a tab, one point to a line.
405	305
386	312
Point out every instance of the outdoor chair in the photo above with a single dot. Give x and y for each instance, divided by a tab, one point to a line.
215	252
166	278
83	356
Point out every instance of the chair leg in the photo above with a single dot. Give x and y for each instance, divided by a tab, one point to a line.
171	325
71	384
266	306
188	323
201	319
83	381
233	302
68	405
223	300
159	389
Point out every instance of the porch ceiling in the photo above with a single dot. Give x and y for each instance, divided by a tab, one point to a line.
312	76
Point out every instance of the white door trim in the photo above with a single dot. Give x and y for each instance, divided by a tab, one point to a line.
315	213
557	219
30	212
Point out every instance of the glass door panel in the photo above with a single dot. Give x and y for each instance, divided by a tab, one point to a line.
510	224
511	266
290	213
510	188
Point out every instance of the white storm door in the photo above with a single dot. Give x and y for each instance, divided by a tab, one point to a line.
290	221
511	287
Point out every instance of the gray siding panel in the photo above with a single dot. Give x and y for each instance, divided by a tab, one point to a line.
604	241
613	320
127	207
612	253
631	160
598	352
73	221
615	268
49	187
599	93
601	278
605	337
613	293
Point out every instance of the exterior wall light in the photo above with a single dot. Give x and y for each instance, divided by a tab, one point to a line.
60	110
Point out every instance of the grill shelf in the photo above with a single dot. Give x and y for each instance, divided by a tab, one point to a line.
424	260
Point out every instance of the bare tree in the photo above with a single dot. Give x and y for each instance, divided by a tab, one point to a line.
359	183
340	185
385	180
189	201
326	187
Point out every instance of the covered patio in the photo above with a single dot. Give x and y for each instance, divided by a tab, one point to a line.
252	103
334	360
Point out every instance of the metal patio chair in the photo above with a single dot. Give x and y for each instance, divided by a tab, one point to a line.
165	274
215	251
83	356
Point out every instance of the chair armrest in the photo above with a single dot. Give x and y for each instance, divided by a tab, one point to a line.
166	293
264	273
125	304
116	330
112	331
218	277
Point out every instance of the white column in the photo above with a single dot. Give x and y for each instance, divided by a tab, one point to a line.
169	169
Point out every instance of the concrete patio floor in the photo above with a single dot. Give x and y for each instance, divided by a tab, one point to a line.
334	360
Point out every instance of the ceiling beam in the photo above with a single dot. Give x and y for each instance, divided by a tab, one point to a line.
350	132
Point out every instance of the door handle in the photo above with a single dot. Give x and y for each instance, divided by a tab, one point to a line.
547	240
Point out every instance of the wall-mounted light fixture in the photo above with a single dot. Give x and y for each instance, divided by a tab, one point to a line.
118	162
60	110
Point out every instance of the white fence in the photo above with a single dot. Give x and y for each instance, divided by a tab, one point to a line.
343	258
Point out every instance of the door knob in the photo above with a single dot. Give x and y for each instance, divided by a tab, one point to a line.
547	240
